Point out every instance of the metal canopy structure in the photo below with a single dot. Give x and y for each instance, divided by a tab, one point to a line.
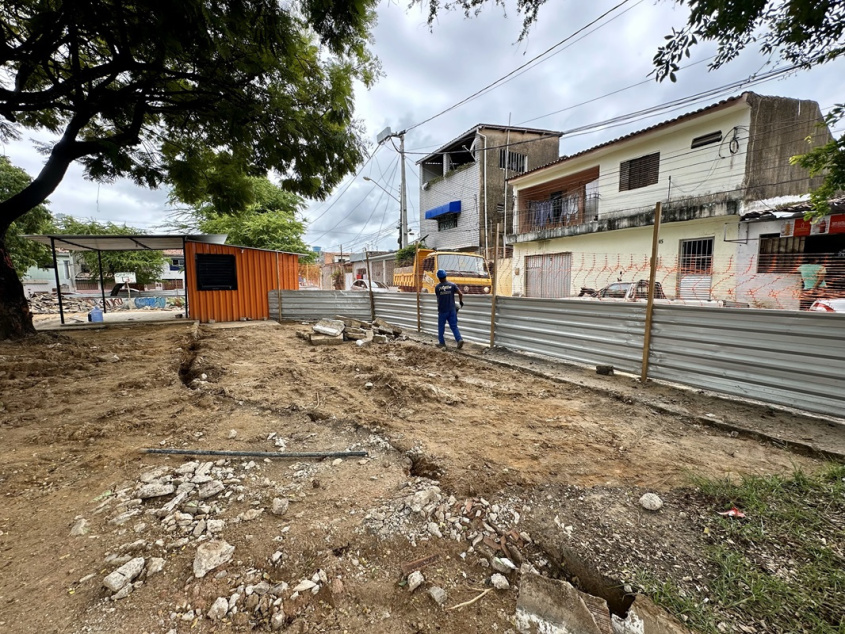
100	243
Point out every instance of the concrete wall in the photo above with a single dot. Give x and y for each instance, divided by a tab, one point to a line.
462	184
780	128
601	258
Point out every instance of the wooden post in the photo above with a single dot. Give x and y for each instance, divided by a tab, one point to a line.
418	283
279	287
370	286
649	308
495	287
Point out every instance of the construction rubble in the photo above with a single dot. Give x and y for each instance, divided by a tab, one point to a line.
333	332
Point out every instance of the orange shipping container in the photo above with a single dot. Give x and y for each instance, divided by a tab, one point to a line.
231	283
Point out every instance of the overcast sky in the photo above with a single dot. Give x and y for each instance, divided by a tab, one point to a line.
429	70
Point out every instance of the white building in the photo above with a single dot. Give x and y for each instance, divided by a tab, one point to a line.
587	219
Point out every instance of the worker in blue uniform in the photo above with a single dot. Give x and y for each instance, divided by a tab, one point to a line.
447	311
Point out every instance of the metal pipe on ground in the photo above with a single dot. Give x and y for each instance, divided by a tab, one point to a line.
259	454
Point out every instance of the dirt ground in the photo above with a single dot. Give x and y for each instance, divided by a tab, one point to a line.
533	459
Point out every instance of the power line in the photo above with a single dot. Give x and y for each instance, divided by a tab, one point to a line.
519	68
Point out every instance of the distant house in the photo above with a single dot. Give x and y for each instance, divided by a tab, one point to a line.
463	183
586	219
38	280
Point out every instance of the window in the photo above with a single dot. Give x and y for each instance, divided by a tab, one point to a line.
697	257
515	161
779	255
216	272
177	264
447	221
706	139
639	172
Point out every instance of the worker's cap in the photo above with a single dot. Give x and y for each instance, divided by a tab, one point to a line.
441	274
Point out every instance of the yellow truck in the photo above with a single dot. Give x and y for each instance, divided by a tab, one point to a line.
467	270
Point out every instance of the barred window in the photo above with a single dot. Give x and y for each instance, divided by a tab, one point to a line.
639	172
779	255
447	221
516	162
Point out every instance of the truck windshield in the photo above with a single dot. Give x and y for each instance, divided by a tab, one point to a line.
462	265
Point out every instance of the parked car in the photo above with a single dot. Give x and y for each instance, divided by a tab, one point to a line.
638	292
363	285
828	306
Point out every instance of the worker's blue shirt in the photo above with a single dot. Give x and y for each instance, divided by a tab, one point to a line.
446	292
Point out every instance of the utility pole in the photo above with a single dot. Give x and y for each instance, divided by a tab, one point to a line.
382	136
403	201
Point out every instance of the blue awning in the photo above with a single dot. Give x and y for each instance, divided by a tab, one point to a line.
453	207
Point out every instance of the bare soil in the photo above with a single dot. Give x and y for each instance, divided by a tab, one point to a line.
563	462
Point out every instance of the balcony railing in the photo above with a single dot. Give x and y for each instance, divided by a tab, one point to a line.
574	209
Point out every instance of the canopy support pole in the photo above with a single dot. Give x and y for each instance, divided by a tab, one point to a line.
102	284
58	284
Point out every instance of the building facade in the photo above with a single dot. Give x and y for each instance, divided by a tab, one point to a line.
463	185
587	219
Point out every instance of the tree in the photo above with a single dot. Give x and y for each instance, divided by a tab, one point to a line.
147	265
804	33
269	222
24	253
196	94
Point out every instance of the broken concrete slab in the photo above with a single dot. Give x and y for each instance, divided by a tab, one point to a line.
351	322
326	340
382	325
550	605
330	327
645	617
356	334
379	338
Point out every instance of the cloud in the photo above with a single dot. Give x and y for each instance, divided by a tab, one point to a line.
430	70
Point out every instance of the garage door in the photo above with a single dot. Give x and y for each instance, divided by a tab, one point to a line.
548	275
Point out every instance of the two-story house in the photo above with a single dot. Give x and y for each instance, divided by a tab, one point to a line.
463	184
587	219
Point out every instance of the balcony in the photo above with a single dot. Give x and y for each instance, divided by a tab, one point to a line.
558	212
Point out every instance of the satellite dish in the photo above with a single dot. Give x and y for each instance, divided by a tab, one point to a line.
384	134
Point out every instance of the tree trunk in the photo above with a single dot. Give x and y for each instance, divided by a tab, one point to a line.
15	318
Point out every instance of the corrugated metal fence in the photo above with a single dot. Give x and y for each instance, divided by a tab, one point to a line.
779	357
787	358
308	305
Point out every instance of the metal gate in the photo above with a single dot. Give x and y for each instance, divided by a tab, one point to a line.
695	269
548	276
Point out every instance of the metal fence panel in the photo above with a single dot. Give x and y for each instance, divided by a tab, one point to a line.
581	331
399	309
307	305
787	358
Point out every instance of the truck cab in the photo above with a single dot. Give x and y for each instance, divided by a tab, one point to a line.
467	270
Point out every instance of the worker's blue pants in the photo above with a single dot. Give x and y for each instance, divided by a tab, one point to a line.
452	317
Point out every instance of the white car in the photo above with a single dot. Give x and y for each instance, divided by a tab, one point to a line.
828	306
363	285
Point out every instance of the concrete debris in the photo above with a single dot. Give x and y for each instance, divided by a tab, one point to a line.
118	579
644	617
551	605
209	489
219	609
155	566
329	332
210	555
155	489
305	584
499	582
651	502
79	528
438	594
330	327
280	506
415	580
503	565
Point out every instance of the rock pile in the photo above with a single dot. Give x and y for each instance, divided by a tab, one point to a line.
333	332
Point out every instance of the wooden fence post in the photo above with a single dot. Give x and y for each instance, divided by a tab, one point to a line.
649	308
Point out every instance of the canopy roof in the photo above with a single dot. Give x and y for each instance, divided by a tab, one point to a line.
143	242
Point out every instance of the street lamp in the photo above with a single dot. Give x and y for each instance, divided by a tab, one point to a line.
382	188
